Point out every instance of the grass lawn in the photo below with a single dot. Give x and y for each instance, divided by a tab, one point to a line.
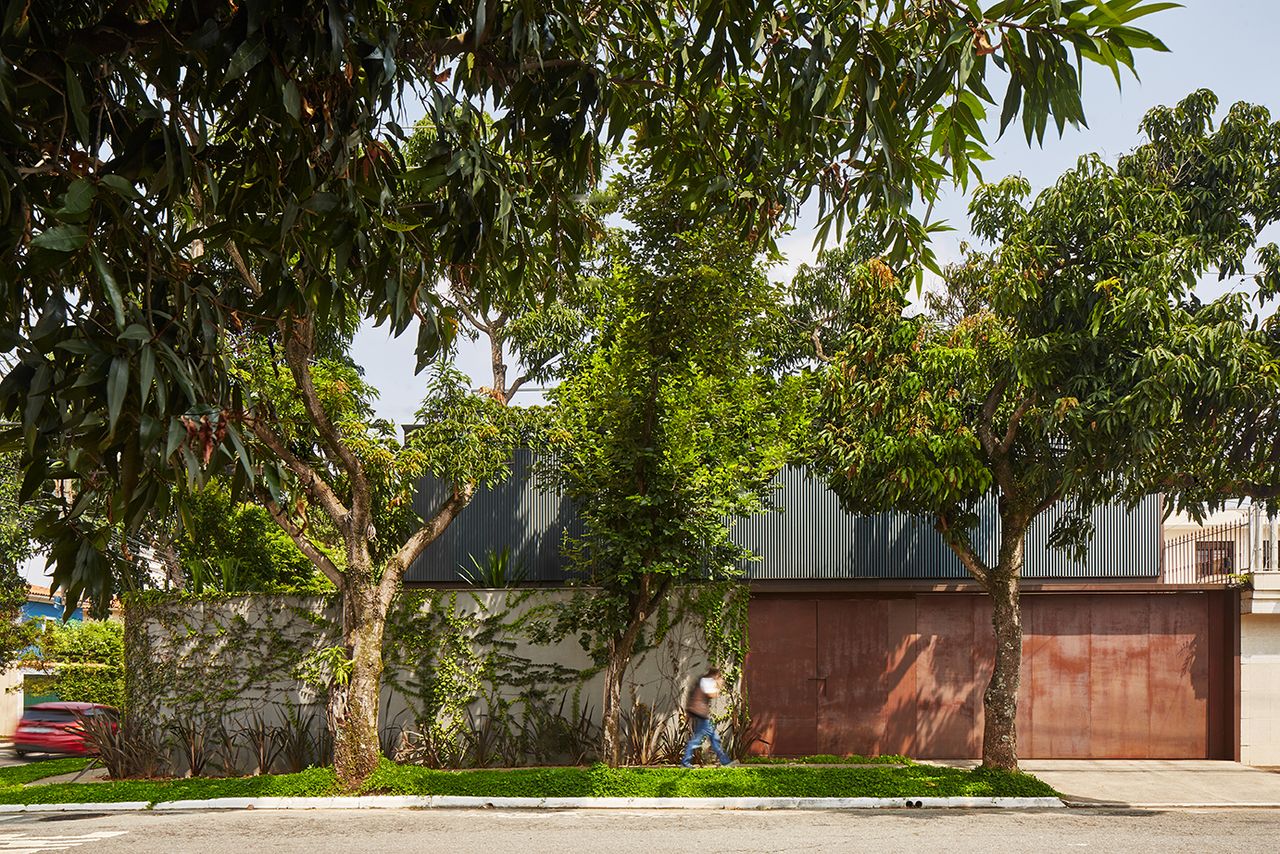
17	775
912	781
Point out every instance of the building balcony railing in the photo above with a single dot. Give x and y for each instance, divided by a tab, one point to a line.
1223	554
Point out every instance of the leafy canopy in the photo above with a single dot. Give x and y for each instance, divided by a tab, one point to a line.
670	426
1071	366
171	172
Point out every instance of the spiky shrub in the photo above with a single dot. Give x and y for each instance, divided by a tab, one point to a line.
498	570
193	738
262	740
741	733
122	750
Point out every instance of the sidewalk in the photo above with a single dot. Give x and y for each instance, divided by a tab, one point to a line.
1156	782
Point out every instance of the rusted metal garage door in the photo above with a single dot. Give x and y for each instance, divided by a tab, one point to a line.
1139	675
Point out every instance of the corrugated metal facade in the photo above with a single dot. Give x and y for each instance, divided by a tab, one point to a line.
515	515
809	536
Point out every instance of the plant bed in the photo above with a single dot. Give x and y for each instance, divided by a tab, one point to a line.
762	781
820	780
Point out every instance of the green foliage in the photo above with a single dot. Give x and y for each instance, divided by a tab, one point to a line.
83	642
158	195
17	543
85	661
1077	352
326	666
498	569
17	775
18	514
830	759
670	425
597	781
15	633
235	547
314	782
600	781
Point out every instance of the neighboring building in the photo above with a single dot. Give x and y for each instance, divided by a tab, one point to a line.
868	636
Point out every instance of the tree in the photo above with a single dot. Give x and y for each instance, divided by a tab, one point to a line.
173	171
188	174
321	452
669	429
235	546
17	544
84	660
1068	368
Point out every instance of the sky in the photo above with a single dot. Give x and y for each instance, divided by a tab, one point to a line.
1229	46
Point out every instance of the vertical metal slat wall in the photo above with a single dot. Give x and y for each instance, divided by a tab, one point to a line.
808	536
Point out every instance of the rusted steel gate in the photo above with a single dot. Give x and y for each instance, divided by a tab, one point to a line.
1105	675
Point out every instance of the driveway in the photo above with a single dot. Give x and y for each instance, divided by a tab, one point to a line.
1150	783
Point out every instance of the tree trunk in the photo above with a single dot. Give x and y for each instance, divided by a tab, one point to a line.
620	649
353	706
1000	702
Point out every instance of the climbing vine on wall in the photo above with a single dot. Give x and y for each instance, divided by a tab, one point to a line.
461	666
219	655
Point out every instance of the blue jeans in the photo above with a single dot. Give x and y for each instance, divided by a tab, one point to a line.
703	728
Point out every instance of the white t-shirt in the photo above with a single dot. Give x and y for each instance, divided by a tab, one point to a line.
709	686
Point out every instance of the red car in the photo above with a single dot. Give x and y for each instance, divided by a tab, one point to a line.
56	728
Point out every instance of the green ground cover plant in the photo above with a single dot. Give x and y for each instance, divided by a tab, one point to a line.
756	781
17	775
817	781
310	783
830	759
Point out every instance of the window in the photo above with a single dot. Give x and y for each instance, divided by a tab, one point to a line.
1215	557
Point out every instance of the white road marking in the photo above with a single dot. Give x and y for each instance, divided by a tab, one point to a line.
26	843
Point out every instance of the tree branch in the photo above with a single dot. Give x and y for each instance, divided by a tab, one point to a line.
312	483
994	448
299	349
520	381
816	335
985	418
431	529
300	539
237	260
1011	431
958	541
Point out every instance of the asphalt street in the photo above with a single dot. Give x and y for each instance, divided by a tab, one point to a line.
527	832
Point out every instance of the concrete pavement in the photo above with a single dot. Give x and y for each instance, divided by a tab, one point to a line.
1155	783
645	832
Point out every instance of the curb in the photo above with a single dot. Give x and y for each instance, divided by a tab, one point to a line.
116	806
460	802
1172	805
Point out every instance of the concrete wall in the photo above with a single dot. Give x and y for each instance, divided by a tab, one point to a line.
234	658
1260	689
658	677
10	700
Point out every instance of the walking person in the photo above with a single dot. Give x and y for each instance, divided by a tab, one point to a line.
704	690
